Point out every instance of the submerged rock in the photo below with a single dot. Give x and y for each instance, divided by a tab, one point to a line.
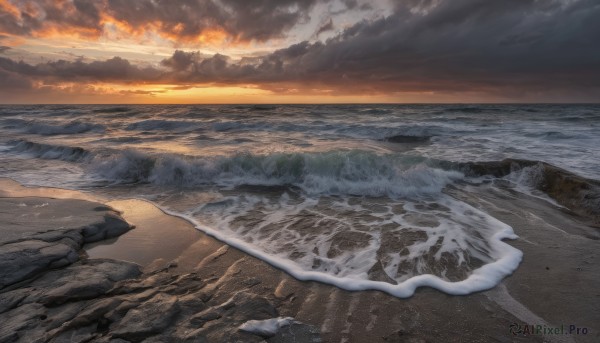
579	194
404	139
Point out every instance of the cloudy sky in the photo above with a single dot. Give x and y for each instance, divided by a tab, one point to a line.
299	51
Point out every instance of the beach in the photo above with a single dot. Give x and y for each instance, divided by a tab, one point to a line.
299	171
205	290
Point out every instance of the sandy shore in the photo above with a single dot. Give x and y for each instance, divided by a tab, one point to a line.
186	286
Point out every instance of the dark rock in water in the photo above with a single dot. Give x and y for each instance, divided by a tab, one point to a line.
495	168
262	108
577	193
407	139
111	110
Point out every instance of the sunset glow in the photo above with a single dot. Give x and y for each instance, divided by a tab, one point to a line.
204	51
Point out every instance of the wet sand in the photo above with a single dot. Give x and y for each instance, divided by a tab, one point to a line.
157	240
558	282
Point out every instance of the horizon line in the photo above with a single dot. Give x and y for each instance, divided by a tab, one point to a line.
299	103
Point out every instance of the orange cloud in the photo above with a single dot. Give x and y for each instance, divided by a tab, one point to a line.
6	6
212	36
206	22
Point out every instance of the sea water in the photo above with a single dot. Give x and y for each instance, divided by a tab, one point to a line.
352	195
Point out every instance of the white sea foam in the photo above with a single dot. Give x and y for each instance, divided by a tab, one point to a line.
275	236
267	327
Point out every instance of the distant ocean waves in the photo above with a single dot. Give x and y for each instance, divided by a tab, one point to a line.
48	151
336	172
45	128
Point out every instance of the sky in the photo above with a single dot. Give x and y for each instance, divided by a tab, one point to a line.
299	51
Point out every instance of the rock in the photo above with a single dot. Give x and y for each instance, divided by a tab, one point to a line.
61	299
244	306
86	280
92	313
49	220
113	226
205	316
47	235
22	323
404	139
9	300
148	319
577	193
58	316
81	334
21	260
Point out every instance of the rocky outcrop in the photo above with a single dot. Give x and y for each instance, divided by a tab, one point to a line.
109	300
49	233
404	139
577	193
49	294
49	304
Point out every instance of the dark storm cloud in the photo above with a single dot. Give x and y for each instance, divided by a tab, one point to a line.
464	44
13	81
511	49
264	19
437	46
115	69
179	20
36	17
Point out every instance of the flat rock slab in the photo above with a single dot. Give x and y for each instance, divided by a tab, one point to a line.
24	218
37	234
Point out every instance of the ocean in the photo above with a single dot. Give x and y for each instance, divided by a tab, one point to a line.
380	197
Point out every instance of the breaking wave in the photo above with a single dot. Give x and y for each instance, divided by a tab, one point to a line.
51	129
336	172
49	151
